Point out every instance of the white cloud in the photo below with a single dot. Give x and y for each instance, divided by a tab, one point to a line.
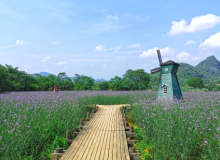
65	67
190	42
212	42
100	48
121	57
61	63
112	17
104	24
19	42
197	23
145	65
153	52
27	66
116	48
186	57
89	60
137	45
134	51
183	56
55	42
45	59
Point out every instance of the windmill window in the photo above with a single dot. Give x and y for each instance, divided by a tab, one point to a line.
165	89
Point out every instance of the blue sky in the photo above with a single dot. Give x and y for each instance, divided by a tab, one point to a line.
104	39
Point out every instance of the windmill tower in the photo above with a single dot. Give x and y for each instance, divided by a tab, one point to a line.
169	87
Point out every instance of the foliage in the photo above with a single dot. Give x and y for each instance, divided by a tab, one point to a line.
115	83
11	79
180	129
59	142
101	85
208	70
168	130
212	87
83	82
4	79
195	82
31	121
138	78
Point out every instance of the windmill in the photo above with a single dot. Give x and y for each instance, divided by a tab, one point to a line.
169	87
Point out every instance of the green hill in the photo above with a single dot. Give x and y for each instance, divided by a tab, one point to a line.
208	70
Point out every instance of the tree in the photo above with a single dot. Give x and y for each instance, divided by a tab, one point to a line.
102	85
83	82
115	83
126	84
62	76
4	80
211	86
217	88
139	79
195	82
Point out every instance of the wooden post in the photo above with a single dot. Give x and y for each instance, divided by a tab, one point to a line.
58	154
59	150
131	129
131	150
76	131
88	114
81	121
68	135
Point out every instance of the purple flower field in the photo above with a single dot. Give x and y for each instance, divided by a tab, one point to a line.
29	121
186	129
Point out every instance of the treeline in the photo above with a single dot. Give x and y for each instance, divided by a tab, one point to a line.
11	79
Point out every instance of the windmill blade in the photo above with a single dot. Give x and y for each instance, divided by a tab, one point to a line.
159	56
155	70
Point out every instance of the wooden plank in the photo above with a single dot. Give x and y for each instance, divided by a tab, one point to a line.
118	156
75	146
92	147
123	156
125	144
86	139
105	144
111	143
114	136
102	143
102	138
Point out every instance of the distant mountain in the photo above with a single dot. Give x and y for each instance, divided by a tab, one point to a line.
44	74
208	70
96	80
209	67
72	78
100	80
186	71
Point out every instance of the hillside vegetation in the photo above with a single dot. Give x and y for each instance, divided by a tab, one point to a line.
208	70
11	79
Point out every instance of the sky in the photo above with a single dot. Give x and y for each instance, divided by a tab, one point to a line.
104	39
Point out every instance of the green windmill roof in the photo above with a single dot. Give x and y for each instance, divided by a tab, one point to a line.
169	63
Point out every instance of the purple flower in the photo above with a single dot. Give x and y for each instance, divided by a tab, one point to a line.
5	120
218	129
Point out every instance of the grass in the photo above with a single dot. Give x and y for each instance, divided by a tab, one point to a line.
33	124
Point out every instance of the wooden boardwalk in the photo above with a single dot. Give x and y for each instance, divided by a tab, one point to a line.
102	138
